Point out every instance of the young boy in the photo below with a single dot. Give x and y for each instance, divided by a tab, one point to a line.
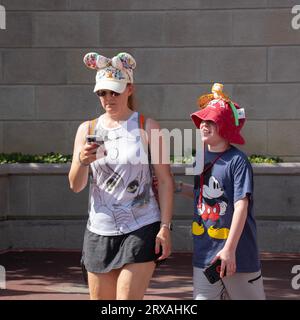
224	226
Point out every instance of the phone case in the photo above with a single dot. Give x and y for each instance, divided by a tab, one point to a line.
212	272
94	139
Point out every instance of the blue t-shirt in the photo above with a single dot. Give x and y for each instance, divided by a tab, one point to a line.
228	180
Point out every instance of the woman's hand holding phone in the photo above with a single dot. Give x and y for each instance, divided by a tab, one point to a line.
92	150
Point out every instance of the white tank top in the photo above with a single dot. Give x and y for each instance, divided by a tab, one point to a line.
121	199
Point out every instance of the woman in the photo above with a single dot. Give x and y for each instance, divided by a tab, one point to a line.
127	232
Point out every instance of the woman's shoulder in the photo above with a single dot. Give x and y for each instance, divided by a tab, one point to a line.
84	126
83	129
151	124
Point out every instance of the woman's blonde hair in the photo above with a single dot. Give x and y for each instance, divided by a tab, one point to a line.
132	102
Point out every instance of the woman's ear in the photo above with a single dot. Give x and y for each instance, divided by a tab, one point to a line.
131	89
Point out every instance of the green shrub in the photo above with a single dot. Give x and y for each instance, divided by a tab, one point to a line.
254	158
60	158
29	158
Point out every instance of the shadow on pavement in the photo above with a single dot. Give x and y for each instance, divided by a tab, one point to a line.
55	275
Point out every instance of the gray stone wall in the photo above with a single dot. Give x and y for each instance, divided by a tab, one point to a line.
38	209
181	48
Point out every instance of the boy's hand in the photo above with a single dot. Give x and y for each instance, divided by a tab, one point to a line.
228	263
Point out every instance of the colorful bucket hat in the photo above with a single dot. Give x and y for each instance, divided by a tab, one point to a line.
228	116
112	74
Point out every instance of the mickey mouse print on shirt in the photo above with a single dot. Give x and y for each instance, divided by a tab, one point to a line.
214	204
211	207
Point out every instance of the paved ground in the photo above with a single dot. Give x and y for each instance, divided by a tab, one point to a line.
56	275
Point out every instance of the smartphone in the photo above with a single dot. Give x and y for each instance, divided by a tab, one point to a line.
94	139
212	272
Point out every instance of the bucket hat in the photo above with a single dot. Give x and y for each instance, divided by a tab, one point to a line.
228	115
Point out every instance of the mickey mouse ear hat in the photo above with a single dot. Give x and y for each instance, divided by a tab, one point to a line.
218	108
112	74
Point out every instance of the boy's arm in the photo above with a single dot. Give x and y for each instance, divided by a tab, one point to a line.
227	254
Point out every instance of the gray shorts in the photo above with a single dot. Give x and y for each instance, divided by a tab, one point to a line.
101	254
239	286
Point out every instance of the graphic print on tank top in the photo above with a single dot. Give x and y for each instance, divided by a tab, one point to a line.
121	193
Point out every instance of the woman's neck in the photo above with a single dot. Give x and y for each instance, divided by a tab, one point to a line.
118	116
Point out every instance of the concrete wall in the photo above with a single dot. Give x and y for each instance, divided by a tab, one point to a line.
38	210
181	47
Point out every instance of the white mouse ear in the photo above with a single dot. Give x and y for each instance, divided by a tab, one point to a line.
95	61
127	60
90	60
117	63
